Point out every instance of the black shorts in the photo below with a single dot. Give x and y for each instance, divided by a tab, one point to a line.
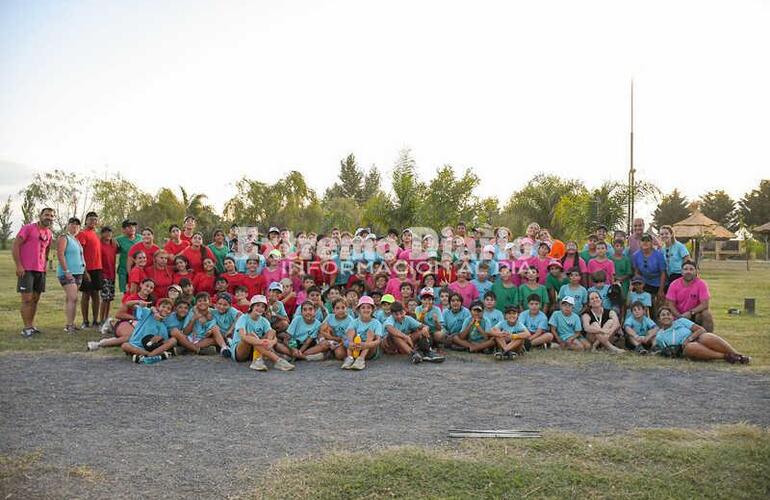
94	284
652	290
31	282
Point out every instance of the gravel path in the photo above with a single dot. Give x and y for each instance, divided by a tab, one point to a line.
196	426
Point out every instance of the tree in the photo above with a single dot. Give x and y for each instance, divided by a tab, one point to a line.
408	189
538	199
28	204
719	206
671	209
487	211
340	212
448	199
165	208
371	184
69	194
754	207
6	223
376	213
116	198
350	183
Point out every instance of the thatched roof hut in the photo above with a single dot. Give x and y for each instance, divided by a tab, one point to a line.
698	226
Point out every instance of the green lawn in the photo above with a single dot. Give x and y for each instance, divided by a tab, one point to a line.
724	462
729	282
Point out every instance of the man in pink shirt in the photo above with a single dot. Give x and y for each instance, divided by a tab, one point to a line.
688	297
30	254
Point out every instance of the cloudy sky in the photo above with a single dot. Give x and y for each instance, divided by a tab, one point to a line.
200	93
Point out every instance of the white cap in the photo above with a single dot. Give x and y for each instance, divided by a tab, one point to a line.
488	248
569	300
258	299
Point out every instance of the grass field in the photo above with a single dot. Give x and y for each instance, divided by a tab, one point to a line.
724	462
729	282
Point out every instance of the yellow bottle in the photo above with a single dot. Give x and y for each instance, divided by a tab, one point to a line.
356	343
255	355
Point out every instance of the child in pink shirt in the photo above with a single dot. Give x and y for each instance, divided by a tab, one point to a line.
465	288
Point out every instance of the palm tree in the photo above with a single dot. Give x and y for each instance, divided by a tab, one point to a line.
192	203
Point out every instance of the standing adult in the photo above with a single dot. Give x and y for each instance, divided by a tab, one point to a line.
189	228
125	241
70	270
30	254
688	297
675	253
92	278
650	264
635	240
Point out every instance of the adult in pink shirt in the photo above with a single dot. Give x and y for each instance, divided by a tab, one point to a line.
30	254
689	297
465	288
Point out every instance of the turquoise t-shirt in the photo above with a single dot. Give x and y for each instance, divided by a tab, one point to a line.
362	329
278	309
226	319
258	327
199	330
532	323
475	335
407	325
494	268
453	321
174	322
300	330
380	315
339	326
427	317
147	325
510	328
580	294
640	326
674	335
674	257
566	326
482	287
494	316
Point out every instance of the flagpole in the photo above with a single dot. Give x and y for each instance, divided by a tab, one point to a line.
631	172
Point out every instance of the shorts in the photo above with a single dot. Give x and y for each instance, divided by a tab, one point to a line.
94	284
652	290
74	279
31	282
107	293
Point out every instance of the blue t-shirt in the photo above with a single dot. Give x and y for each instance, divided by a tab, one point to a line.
476	335
226	319
258	327
482	287
407	325
453	321
532	323
427	317
381	316
675	255
300	330
650	267
339	326
147	325
278	309
241	261
644	297
603	292
566	326
674	335
494	268
494	316
510	328
200	329
580	294
173	321
640	326
362	329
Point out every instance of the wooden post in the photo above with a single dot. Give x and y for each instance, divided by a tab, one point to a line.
717	244
749	305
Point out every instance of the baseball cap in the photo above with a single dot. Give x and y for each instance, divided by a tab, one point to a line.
258	299
273	230
371	236
128	222
569	300
556	263
488	248
432	254
365	300
106	229
646	237
427	291
426	236
275	253
275	286
387	298
637	279
73	220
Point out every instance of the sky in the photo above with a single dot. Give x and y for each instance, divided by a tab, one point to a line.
201	93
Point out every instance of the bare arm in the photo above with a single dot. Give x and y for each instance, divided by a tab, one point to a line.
16	251
61	246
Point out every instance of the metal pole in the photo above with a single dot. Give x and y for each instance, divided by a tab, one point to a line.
631	171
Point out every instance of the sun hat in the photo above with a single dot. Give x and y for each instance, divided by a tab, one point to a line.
365	300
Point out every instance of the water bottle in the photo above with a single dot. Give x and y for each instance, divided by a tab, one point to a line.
356	343
148	360
255	355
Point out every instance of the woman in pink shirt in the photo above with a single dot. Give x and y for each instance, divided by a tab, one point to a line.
601	262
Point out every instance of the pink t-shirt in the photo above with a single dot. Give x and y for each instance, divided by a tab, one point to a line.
469	293
607	266
569	263
542	268
394	287
271	276
687	297
34	243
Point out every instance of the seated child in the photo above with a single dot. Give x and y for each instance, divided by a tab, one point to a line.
637	294
536	323
454	317
149	341
510	335
242	302
302	335
475	334
405	335
276	312
224	314
491	313
202	330
363	336
333	331
430	316
566	326
383	312
254	339
640	329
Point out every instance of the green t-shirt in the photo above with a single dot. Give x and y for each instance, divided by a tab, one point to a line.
505	296
587	257
554	283
124	245
525	292
220	254
623	268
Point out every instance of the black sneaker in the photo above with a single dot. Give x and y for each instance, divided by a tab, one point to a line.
641	350
167	354
432	356
527	345
137	358
500	355
510	355
416	358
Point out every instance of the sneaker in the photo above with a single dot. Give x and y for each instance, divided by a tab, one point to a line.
641	350
283	365
500	355
348	363
258	365
416	358
359	363
137	358
319	356
226	353
167	354
510	356
432	356
27	332
69	329
93	346
84	325
106	328
35	330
